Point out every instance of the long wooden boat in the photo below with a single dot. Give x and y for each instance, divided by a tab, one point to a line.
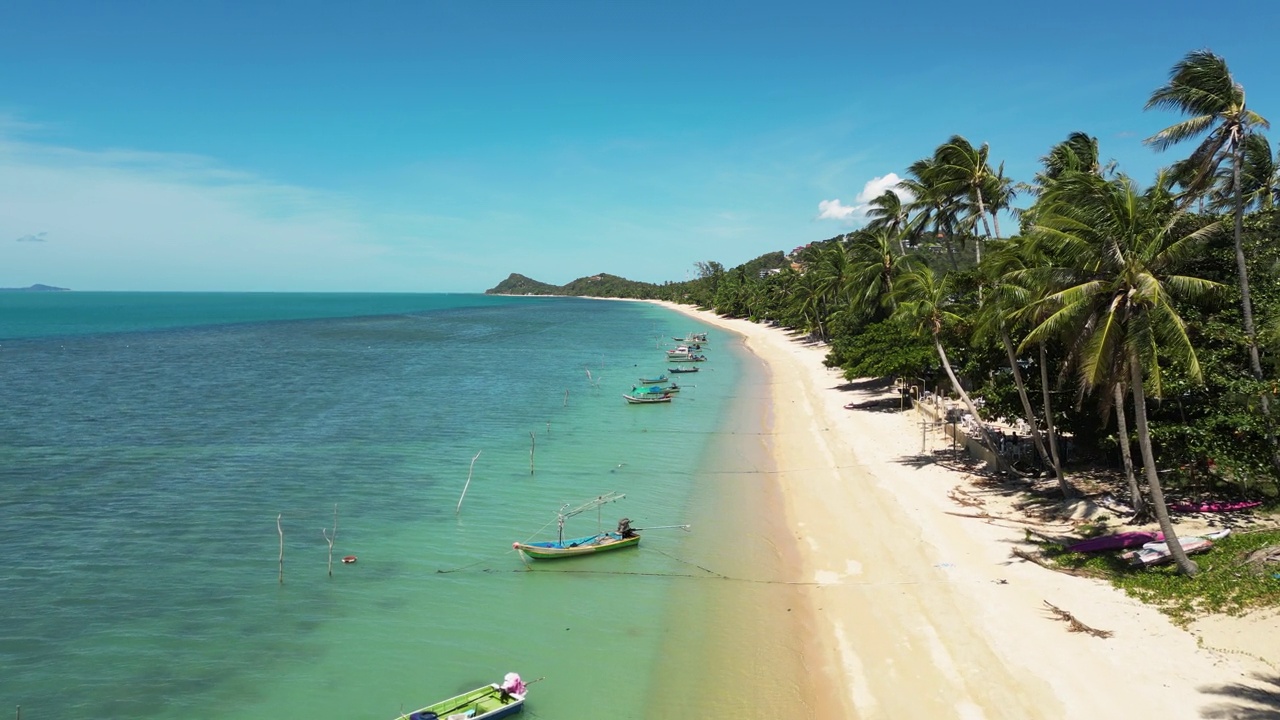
678	370
654	381
647	398
604	541
488	702
574	547
687	358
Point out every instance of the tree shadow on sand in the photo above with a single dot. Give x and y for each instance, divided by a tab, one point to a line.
1258	700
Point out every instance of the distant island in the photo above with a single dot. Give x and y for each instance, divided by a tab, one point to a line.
613	286
37	288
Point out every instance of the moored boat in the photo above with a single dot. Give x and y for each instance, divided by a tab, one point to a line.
624	536
683	369
654	381
647	398
487	702
686	358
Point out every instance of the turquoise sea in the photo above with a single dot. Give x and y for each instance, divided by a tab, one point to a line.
148	442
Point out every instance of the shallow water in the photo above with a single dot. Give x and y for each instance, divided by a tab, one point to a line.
145	462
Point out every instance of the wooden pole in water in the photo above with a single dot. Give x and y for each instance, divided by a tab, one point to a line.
566	398
281	531
464	487
533	444
330	539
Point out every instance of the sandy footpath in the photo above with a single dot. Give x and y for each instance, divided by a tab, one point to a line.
921	612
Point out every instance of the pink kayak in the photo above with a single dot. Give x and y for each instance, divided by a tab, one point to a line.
1115	542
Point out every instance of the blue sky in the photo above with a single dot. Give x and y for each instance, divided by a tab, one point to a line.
438	146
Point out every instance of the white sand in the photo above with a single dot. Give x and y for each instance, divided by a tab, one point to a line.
921	612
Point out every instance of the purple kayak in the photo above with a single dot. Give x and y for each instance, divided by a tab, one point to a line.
1115	542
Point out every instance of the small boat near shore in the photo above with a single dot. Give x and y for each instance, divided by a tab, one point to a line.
624	536
654	381
487	702
647	398
687	358
678	370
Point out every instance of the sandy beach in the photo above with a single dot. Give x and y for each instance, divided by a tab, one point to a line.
918	608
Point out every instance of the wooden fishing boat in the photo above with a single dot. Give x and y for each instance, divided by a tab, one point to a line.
647	398
573	547
654	381
678	370
488	702
687	358
622	537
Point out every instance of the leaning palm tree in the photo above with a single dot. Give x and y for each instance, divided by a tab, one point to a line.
924	303
1117	258
1201	86
999	313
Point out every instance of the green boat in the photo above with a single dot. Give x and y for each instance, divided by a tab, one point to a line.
484	703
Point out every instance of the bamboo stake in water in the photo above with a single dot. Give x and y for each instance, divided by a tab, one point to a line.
281	531
464	487
533	444
330	539
566	398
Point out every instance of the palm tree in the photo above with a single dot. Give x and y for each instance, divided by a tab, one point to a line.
1201	86
923	302
1117	258
965	173
997	316
931	205
873	268
888	213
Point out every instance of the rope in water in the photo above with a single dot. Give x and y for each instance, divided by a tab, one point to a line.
709	575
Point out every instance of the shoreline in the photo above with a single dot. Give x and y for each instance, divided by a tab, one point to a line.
917	608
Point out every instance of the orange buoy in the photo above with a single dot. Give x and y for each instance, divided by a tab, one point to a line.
349	559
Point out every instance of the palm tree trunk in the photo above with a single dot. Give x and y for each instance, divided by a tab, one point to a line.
982	215
1065	486
1126	458
1185	564
1255	362
1028	414
973	409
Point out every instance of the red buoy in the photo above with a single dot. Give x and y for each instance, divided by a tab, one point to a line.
349	559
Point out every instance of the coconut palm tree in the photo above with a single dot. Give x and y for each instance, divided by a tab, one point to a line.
1117	260
923	301
873	268
1201	86
965	172
999	313
888	213
933	208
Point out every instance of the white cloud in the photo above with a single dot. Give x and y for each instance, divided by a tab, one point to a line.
835	210
874	188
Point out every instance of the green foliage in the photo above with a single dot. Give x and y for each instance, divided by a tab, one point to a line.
884	349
